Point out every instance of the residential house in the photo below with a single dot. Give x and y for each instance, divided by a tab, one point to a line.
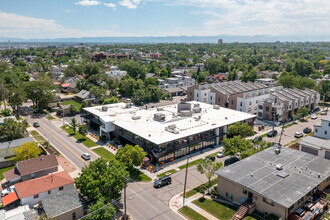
7	148
31	192
319	144
284	182
85	95
32	168
19	213
176	82
66	205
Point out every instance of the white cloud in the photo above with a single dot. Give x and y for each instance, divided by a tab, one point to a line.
88	3
130	4
253	17
17	26
111	5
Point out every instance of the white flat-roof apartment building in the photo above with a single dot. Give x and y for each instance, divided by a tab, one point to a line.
166	132
255	98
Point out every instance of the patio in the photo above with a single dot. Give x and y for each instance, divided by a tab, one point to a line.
310	210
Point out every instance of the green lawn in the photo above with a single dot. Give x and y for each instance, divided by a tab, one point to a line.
164	174
4	170
220	211
82	139
190	164
104	153
289	125
138	175
249	218
199	188
77	105
191	214
35	134
49	117
264	135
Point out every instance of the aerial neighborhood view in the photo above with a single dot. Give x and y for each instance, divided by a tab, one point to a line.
165	110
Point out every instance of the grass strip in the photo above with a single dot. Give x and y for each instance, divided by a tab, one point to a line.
164	174
82	139
218	210
191	214
190	164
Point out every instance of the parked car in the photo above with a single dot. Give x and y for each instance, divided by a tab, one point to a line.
231	160
210	158
272	133
298	134
86	156
316	109
307	130
314	117
220	154
258	138
323	112
165	180
36	125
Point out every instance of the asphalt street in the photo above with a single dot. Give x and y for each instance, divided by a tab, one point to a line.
144	202
66	145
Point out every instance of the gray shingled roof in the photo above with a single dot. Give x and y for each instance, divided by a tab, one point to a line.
63	202
259	174
15	143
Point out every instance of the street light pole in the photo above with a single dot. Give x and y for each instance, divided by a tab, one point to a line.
125	215
185	182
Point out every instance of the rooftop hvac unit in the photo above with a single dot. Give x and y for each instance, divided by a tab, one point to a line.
159	116
136	117
160	109
217	107
104	108
279	166
277	151
172	128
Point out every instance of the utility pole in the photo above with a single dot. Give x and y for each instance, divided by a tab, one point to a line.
281	131
125	182
185	182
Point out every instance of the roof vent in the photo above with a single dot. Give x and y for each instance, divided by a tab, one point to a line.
319	175
136	117
279	166
104	108
251	174
277	151
226	118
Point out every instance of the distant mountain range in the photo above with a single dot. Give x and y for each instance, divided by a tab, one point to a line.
175	39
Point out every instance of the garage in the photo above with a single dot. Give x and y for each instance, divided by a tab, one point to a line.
309	150
327	155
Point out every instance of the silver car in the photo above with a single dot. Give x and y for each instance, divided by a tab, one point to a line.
86	156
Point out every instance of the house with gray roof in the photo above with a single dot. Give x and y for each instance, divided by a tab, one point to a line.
280	181
7	148
85	95
67	204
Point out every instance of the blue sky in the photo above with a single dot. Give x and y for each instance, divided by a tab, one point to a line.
95	18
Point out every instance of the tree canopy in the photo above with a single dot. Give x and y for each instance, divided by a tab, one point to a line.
131	155
243	130
27	150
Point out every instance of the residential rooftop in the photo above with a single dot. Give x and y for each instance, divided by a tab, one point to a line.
42	184
141	121
315	142
63	202
37	164
301	173
15	143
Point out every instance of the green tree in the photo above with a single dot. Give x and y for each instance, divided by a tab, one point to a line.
169	69
6	112
110	100
12	129
304	67
164	73
15	100
74	124
134	69
3	94
27	150
324	89
151	81
212	65
208	168
303	112
236	144
243	130
82	129
97	92
131	155
326	69
182	64
84	104
40	92
101	182
72	109
101	210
